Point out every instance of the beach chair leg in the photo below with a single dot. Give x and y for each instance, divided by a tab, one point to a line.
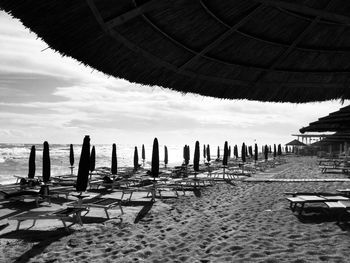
292	206
107	213
301	209
79	218
121	208
64	224
34	222
18	224
87	211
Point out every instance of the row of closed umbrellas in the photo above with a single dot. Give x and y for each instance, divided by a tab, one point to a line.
88	159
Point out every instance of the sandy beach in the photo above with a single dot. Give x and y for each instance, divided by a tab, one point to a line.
249	222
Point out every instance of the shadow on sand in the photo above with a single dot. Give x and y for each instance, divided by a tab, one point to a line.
318	215
42	238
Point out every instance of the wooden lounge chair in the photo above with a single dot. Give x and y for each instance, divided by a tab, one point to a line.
307	199
342	207
62	214
104	203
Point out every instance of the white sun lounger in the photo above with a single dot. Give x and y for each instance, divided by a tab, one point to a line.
62	214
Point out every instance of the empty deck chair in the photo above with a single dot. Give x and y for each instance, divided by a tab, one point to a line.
15	195
63	214
301	200
103	203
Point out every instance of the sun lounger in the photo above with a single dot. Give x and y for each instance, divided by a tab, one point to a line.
104	203
21	195
61	190
312	193
345	191
112	184
130	190
63	215
341	206
308	199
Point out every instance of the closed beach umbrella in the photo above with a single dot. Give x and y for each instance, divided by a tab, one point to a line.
235	151
136	159
208	153
143	153
218	152
155	158
165	156
84	166
256	152
71	158
279	150
71	155
270	151
224	159
243	153
266	152
204	152
229	152
92	159
114	166
196	157
274	151
46	163
186	154
31	171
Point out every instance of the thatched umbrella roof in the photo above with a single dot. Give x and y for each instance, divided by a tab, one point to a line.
338	137
335	121
267	50
295	143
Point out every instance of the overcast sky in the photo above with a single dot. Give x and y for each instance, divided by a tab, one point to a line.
44	96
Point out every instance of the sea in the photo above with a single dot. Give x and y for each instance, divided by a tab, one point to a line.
14	158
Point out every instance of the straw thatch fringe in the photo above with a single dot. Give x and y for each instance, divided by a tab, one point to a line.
188	46
335	121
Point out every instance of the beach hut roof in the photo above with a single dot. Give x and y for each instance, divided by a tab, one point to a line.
335	121
288	51
338	137
295	143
